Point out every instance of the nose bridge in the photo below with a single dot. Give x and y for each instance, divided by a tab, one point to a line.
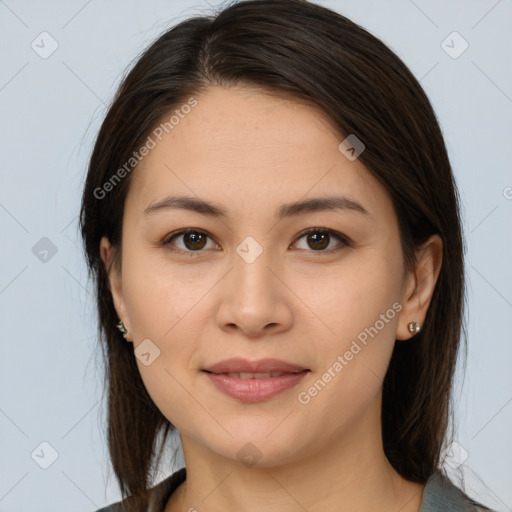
251	272
254	297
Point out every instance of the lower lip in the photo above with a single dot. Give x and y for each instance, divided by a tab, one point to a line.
255	390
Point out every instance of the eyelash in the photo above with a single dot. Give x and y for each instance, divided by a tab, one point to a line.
341	238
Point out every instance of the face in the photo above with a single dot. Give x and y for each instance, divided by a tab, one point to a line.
322	289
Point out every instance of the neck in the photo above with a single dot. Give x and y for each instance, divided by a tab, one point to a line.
351	473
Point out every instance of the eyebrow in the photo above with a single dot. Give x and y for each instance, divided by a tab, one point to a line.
316	204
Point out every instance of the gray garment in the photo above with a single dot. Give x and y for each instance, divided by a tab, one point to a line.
439	495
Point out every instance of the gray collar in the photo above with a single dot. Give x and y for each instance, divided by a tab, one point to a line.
440	494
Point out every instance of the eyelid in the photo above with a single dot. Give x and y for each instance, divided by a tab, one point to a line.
167	239
345	241
331	232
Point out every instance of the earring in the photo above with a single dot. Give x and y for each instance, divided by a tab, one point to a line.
414	327
122	328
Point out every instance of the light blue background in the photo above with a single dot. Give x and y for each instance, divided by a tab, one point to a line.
51	109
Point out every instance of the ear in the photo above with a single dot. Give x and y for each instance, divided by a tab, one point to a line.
419	285
115	282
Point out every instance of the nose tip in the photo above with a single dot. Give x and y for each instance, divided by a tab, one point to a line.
252	299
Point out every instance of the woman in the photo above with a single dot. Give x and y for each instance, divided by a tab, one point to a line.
272	223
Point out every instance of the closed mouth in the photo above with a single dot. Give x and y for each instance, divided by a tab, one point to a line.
258	375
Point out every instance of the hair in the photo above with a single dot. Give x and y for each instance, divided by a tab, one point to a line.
315	55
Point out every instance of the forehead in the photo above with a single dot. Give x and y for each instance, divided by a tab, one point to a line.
243	146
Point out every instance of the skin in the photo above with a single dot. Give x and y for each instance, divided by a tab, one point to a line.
250	153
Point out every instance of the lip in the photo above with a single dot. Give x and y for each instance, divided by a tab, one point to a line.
237	365
254	389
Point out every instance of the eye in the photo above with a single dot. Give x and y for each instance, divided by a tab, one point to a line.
319	239
193	240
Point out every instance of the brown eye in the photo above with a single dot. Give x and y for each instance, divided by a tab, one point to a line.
320	239
193	240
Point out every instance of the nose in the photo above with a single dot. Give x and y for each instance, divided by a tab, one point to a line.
253	299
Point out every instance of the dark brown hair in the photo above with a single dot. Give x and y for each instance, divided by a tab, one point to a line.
315	55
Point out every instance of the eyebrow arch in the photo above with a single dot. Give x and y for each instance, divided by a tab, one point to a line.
327	203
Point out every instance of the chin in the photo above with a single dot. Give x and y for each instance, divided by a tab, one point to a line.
256	448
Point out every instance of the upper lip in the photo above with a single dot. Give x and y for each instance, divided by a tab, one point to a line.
237	365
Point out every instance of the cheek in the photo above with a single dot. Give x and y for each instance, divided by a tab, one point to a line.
160	296
359	311
352	362
169	390
163	308
354	295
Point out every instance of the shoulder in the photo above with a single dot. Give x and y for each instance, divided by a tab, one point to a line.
440	494
159	494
